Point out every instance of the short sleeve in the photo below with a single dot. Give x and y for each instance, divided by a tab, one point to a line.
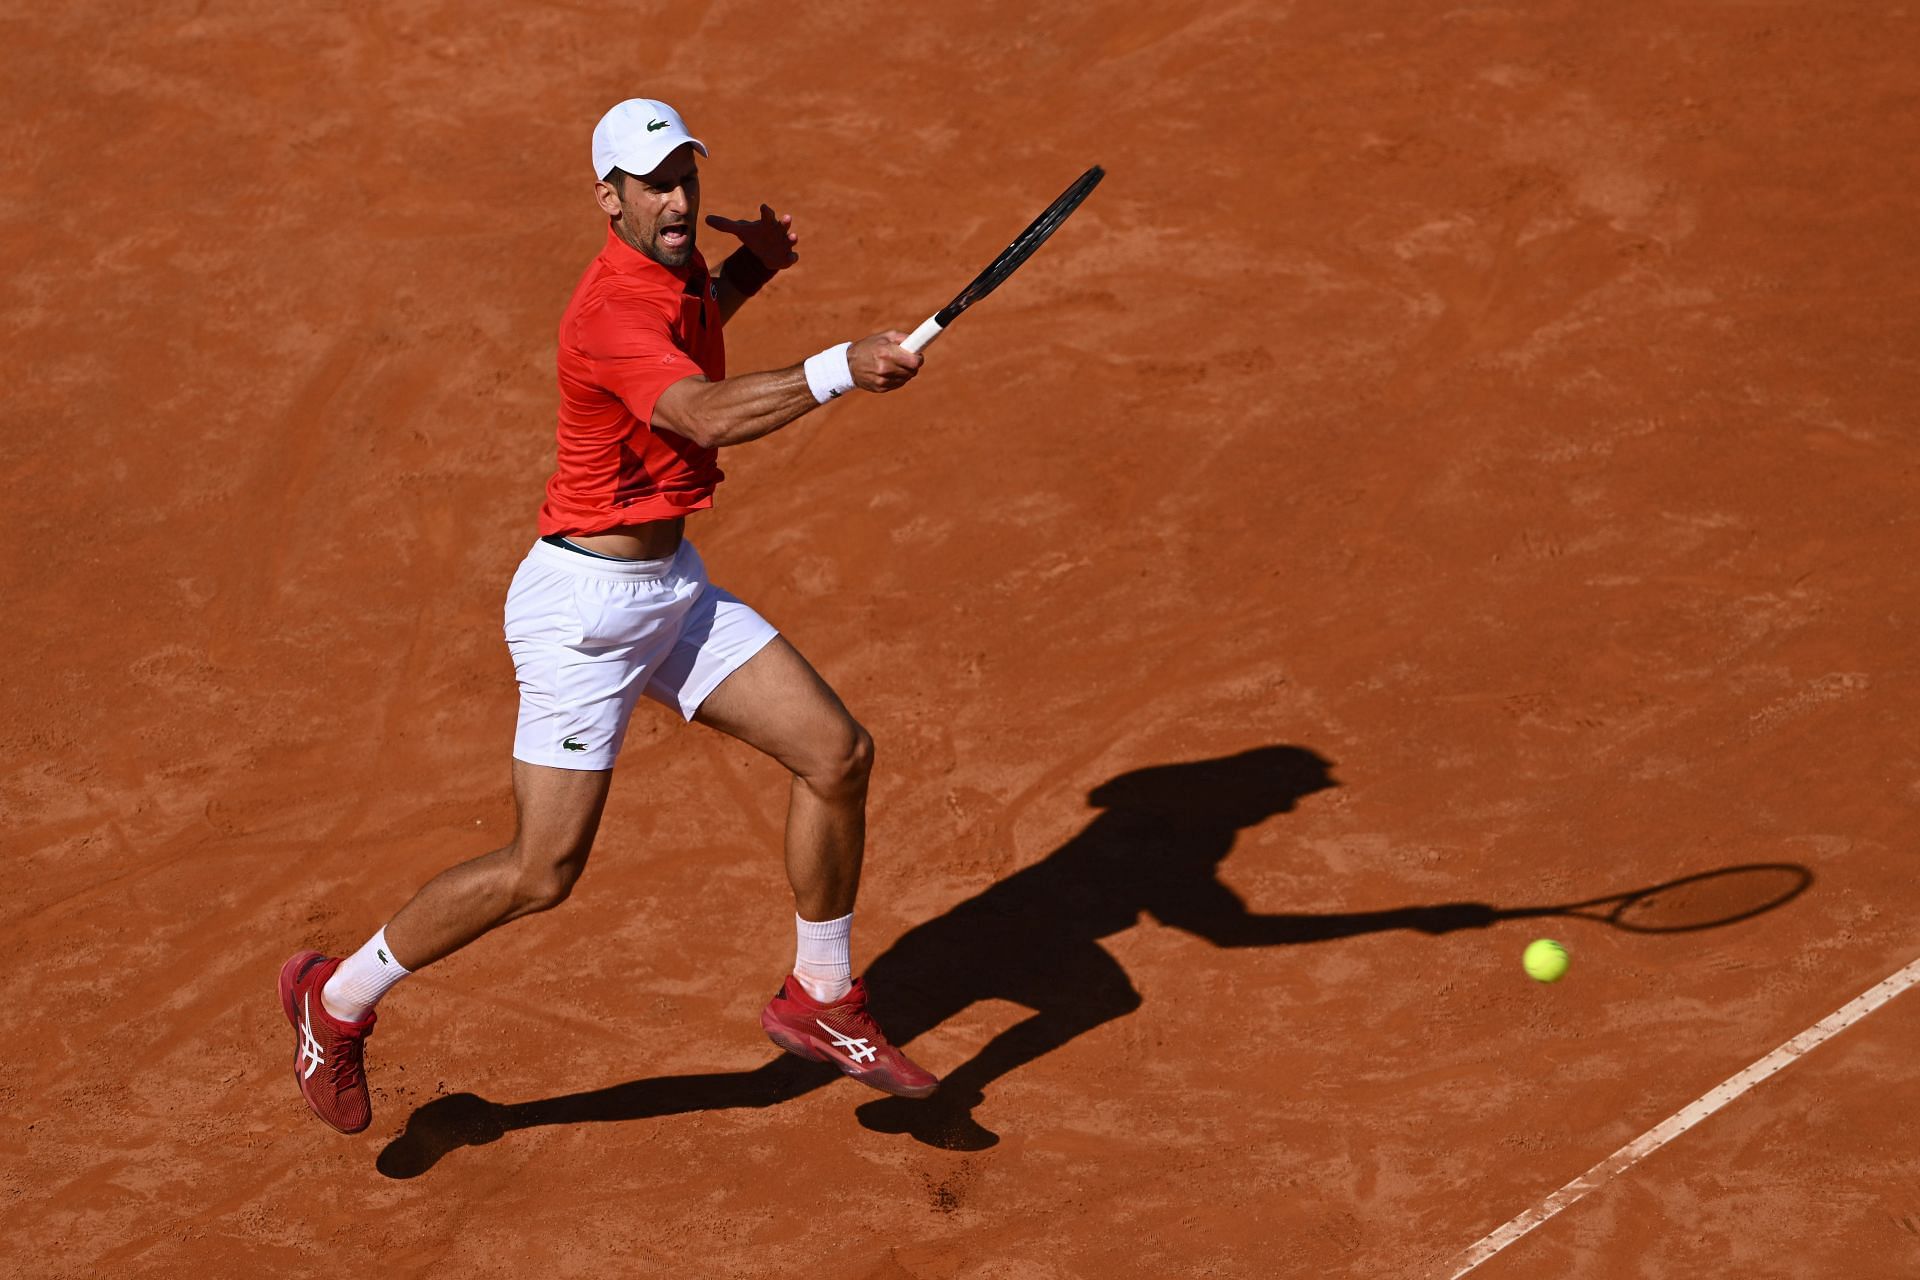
627	341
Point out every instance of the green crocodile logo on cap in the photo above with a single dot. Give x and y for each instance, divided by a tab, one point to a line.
655	125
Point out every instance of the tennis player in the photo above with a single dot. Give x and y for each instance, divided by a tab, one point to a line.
612	603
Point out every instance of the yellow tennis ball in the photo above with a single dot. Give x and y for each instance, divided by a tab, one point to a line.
1544	960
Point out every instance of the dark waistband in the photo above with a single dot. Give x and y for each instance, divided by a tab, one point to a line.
558	540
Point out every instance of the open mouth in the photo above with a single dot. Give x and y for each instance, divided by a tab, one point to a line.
676	235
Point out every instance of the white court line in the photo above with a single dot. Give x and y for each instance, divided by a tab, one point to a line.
1688	1116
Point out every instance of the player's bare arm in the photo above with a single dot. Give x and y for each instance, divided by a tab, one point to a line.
738	409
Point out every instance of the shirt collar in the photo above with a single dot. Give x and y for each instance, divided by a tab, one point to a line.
627	260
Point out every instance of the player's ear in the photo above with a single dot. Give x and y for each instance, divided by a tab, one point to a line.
607	198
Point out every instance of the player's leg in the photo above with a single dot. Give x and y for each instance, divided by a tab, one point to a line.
585	634
731	671
558	814
330	1001
777	704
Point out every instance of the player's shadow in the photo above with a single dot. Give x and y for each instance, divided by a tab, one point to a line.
1031	939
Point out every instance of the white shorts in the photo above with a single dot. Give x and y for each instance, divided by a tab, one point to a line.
590	635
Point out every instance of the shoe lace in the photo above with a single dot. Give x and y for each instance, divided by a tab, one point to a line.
857	1020
346	1064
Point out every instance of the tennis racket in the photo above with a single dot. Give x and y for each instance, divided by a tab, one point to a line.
1703	901
1009	260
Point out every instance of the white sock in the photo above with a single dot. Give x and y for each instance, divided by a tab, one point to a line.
362	978
823	961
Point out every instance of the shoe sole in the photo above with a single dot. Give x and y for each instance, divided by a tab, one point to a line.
289	976
815	1049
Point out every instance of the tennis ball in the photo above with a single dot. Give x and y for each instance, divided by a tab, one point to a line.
1544	960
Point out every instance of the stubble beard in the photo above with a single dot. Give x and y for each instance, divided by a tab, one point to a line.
672	257
651	246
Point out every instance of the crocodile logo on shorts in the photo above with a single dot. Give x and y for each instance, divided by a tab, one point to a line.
571	745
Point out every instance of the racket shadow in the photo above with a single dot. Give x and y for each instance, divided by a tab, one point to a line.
1704	900
1033	939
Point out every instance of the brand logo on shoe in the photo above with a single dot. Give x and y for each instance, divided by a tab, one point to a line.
311	1051
856	1048
571	745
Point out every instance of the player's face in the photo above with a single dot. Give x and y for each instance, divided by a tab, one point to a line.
659	211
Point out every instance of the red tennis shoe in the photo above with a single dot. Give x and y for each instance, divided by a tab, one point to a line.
844	1034
329	1056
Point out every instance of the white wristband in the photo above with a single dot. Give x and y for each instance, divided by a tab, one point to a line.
828	373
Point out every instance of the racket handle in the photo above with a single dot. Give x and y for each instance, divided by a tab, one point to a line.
923	336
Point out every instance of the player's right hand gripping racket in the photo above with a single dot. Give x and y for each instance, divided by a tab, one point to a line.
1009	260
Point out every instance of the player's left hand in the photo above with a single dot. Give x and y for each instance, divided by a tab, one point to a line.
771	237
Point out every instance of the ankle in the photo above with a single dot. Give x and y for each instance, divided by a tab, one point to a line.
350	994
823	957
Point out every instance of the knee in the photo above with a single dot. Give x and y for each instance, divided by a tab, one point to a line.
858	766
842	763
542	880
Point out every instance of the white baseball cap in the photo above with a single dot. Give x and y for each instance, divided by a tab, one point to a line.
637	135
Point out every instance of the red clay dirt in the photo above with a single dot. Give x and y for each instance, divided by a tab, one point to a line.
1496	420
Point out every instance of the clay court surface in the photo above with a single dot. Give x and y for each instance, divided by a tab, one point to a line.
1462	455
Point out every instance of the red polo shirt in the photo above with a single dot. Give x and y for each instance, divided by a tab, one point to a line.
632	329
